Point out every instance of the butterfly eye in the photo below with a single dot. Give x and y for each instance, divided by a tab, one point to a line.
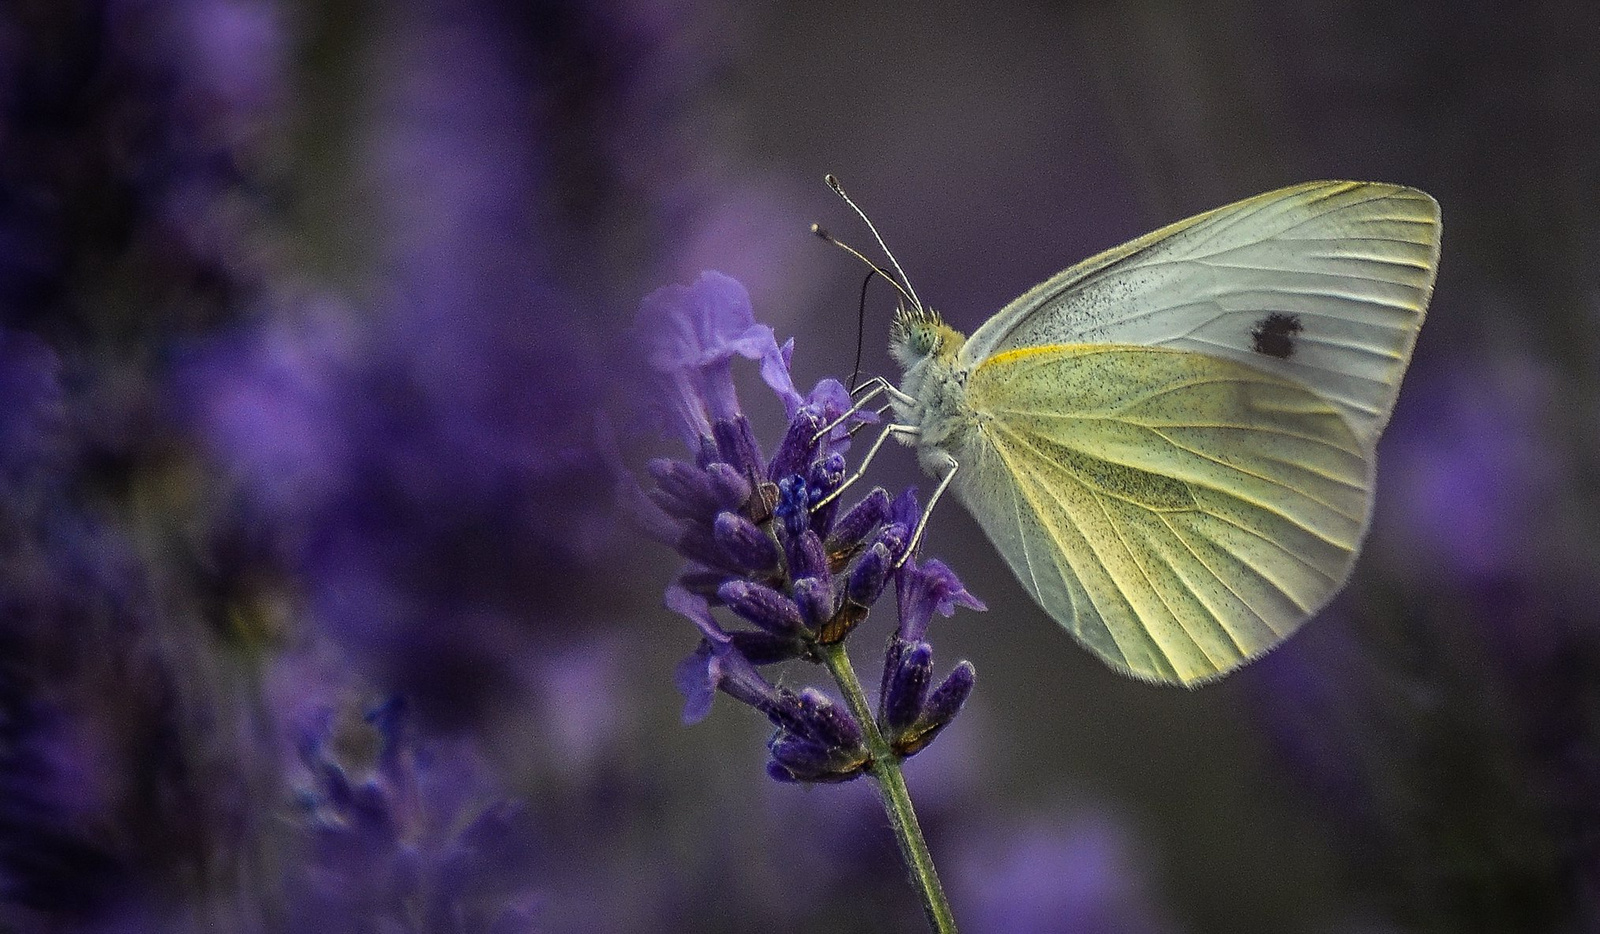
915	334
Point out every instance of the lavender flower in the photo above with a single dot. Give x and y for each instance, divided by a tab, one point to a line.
766	540
420	464
406	843
424	462
126	767
910	713
103	794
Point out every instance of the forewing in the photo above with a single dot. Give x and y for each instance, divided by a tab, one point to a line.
1325	283
1179	514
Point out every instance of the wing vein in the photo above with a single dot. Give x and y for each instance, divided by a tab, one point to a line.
1221	625
1150	585
1195	554
1250	473
1281	547
1079	620
1184	541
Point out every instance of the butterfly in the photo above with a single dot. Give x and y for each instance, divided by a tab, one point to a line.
1172	443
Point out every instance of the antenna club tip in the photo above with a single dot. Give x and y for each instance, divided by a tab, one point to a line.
833	182
820	231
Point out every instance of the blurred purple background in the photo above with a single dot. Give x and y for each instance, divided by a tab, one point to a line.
311	315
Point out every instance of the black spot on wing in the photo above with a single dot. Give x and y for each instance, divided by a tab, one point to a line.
1274	335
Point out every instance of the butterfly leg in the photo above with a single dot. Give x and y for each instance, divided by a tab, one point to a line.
951	466
890	429
878	386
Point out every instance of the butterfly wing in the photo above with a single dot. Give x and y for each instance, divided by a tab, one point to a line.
1178	513
1325	283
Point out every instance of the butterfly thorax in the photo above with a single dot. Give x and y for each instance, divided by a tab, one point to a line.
928	351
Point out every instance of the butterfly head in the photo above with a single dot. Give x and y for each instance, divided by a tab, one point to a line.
918	334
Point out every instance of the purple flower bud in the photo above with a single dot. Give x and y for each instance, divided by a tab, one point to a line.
869	576
706	454
816	600
797	449
826	721
859	522
948	698
786	714
763	606
672	505
729	488
800	757
736	444
824	477
942	705
892	653
778	773
682	489
893	537
803	760
698	543
806	557
906	687
794	506
750	548
904	509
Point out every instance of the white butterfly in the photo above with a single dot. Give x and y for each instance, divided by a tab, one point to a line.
1172	443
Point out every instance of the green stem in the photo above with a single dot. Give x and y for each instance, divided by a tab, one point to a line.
892	789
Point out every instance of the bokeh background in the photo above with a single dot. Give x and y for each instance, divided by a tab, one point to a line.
316	359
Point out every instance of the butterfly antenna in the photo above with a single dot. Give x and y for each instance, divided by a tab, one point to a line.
908	291
876	269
